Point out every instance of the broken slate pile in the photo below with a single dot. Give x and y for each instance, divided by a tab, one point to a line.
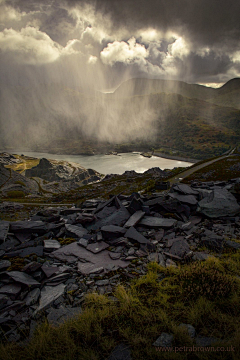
51	261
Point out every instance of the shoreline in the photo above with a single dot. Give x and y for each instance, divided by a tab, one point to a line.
158	154
172	157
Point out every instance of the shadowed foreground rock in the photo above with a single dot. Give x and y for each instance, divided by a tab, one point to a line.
53	260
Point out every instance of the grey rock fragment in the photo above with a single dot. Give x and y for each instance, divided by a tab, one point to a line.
4	227
32	297
203	341
184	189
164	340
114	256
190	329
133	234
219	202
117	218
232	244
180	248
49	270
51	245
154	222
169	262
39	227
186	199
83	242
4	264
60	278
97	247
37	250
75	231
121	352
48	295
153	257
112	231
2	252
201	256
23	278
31	267
58	316
161	260
11	289
134	219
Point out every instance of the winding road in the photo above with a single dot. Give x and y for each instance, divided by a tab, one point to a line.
188	172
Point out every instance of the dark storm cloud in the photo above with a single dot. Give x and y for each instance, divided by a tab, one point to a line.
195	39
207	21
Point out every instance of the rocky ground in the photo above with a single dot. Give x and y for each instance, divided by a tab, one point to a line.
52	260
47	178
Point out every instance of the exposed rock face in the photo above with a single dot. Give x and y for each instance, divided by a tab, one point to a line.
52	170
10	180
50	177
8	159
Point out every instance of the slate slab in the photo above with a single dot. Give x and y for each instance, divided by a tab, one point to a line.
118	218
134	219
190	329
180	248
37	250
11	289
114	256
23	278
83	242
39	227
121	352
31	267
51	245
49	270
184	189
23	237
112	231
187	199
4	227
133	234
164	340
57	279
32	297
154	222
97	247
200	256
219	203
58	316
75	231
88	261
135	205
232	244
4	264
48	295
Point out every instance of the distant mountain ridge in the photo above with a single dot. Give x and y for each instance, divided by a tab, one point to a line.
143	86
140	114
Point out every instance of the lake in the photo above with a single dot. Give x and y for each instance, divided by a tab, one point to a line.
112	164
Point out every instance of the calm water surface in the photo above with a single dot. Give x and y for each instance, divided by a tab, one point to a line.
112	164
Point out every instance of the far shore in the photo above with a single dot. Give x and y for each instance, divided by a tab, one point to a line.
174	157
158	154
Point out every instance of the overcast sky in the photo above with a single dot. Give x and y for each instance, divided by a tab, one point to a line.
103	42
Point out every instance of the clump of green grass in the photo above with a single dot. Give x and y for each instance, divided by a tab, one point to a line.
138	314
206	280
17	263
66	241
